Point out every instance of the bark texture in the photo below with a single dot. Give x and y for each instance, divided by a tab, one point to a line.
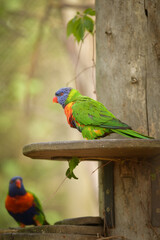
128	84
128	61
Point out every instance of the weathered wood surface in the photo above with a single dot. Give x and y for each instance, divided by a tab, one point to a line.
83	228
9	230
155	193
81	221
46	236
128	61
108	187
152	57
94	150
65	229
128	84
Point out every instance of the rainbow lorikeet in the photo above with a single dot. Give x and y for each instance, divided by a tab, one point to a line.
23	205
91	117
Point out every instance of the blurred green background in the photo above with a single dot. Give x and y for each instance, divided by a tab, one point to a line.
36	59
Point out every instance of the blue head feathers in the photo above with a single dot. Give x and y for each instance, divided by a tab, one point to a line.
16	187
61	95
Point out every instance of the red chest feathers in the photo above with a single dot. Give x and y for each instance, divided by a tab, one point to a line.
68	112
19	204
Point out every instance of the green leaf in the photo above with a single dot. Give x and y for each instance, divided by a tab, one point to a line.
72	165
70	174
71	26
81	23
90	11
79	29
88	23
76	27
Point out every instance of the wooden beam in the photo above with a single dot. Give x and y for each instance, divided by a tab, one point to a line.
108	185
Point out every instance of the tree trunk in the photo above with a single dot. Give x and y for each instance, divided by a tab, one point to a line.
128	84
128	61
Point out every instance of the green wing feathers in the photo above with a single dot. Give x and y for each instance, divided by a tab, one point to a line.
87	111
40	216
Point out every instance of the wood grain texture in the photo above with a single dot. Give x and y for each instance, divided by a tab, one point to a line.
94	149
94	221
153	66
45	236
83	228
128	62
128	84
66	229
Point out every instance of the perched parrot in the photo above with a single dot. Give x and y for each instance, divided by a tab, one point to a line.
91	117
23	205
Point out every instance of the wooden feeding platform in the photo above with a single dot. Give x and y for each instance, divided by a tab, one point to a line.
133	157
83	228
90	150
124	188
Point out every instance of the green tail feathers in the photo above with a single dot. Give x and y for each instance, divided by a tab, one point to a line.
131	133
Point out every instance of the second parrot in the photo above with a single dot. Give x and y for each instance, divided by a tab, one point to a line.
23	205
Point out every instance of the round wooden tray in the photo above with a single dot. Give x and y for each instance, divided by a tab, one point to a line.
94	149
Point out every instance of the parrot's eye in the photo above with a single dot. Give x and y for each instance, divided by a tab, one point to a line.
11	181
59	94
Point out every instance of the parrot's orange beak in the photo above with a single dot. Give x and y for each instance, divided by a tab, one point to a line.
18	183
55	100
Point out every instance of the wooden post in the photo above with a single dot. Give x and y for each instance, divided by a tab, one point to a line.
128	84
